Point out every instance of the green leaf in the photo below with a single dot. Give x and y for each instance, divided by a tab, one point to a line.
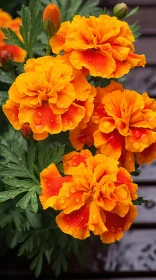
33	219
132	12
24	201
139	201
87	7
12	38
6	77
3	97
5	195
25	28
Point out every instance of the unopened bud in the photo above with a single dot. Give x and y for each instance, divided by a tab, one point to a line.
120	10
6	59
51	19
26	131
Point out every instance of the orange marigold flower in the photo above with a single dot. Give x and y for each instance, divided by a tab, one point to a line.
51	97
95	195
6	21
51	18
126	125
103	45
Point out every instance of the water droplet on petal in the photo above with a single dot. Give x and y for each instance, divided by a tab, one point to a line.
119	228
45	180
77	200
67	194
112	229
49	184
94	219
74	163
37	121
136	145
72	190
71	124
62	200
39	114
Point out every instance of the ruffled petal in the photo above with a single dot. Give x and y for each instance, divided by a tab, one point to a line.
11	110
110	144
75	223
72	117
99	63
51	183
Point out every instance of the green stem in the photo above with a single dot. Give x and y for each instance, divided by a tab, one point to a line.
48	50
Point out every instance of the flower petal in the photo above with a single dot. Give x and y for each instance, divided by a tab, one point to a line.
96	219
11	110
72	117
99	63
140	139
110	144
41	119
75	223
74	159
51	183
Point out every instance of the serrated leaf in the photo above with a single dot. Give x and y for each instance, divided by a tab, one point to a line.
6	77
34	203
33	219
132	12
12	38
87	7
11	181
5	195
139	201
24	201
3	97
25	28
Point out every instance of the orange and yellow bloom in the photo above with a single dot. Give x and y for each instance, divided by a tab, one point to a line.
6	21
103	45
126	124
50	96
95	195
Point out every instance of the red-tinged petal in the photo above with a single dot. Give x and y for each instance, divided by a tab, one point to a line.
147	155
127	160
18	53
123	177
116	225
110	144
11	110
72	117
70	198
41	119
96	219
79	137
99	63
74	159
51	183
75	223
57	42
140	139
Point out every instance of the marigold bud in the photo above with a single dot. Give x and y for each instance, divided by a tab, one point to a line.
26	131
51	18
120	10
6	59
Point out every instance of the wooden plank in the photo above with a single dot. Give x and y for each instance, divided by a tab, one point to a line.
147	211
147	175
142	80
147	46
137	251
130	2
